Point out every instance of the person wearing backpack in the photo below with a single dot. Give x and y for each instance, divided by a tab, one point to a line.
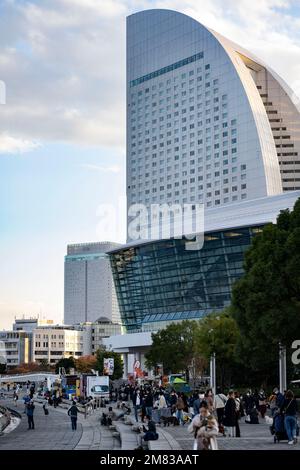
72	412
219	405
289	409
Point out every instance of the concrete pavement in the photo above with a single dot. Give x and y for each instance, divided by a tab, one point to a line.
253	437
53	432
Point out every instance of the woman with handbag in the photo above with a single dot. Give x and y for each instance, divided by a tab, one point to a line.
289	409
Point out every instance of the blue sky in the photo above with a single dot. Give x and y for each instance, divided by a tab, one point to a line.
62	129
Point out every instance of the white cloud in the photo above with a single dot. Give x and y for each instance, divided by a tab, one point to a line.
10	144
63	61
103	169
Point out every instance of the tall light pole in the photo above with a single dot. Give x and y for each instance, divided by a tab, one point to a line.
282	368
213	367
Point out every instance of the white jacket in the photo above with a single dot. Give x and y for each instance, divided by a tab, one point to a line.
220	401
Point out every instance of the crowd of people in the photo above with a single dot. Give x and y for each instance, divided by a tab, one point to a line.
207	414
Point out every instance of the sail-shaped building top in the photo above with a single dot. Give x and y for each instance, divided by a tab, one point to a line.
207	121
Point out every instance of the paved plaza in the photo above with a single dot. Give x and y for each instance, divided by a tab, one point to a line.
253	437
53	432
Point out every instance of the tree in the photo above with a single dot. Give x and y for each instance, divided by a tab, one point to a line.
67	363
44	364
174	347
85	363
24	368
266	300
219	334
118	363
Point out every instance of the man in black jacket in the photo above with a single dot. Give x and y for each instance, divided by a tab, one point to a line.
72	412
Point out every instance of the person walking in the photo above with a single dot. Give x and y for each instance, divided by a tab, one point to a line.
290	408
230	416
219	405
72	412
29	411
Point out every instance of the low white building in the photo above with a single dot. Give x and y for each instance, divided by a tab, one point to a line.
57	342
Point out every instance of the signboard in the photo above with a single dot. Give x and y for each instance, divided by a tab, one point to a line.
138	373
108	366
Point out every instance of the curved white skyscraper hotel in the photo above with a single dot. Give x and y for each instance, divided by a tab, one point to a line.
206	120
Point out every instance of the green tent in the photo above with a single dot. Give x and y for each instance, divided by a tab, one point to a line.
179	381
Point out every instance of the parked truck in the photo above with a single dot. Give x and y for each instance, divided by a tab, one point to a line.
95	386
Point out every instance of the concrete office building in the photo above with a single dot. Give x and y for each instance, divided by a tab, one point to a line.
89	291
59	341
29	324
96	332
15	348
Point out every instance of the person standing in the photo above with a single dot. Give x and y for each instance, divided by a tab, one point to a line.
290	408
173	401
230	414
16	398
72	412
29	410
238	410
262	403
219	405
180	405
209	398
137	402
26	401
149	404
196	404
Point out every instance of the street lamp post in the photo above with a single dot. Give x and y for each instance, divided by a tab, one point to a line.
213	368
213	372
282	368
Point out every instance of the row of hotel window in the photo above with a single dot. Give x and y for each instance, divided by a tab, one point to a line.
192	171
182	161
176	104
191	117
144	96
217	202
176	124
184	136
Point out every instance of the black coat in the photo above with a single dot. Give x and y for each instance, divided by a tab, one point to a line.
230	414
